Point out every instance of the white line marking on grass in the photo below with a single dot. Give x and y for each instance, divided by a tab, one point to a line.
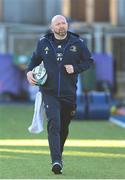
69	142
67	153
10	157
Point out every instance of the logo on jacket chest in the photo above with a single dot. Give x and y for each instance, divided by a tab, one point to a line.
46	49
59	57
73	48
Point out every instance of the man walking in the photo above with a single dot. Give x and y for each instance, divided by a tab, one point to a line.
65	55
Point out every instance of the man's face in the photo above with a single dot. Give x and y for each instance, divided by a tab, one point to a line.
59	26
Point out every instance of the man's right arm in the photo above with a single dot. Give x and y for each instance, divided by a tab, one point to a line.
36	59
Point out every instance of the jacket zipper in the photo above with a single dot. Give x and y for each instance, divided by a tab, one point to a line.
59	83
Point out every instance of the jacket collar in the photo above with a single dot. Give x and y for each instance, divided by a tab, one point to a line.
72	37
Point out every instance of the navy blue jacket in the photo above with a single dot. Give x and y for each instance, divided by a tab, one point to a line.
75	52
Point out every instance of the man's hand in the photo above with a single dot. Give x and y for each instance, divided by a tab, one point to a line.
31	79
69	68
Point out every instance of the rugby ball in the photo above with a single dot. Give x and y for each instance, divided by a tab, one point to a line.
40	74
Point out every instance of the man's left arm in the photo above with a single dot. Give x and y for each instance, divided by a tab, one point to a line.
86	60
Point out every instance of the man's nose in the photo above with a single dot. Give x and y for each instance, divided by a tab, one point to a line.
61	25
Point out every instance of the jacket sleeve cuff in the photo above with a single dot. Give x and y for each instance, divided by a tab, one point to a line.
76	69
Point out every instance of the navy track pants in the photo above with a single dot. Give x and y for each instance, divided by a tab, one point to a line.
59	114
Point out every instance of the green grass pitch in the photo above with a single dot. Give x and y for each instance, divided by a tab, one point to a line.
94	149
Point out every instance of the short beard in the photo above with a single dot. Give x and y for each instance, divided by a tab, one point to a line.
61	33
